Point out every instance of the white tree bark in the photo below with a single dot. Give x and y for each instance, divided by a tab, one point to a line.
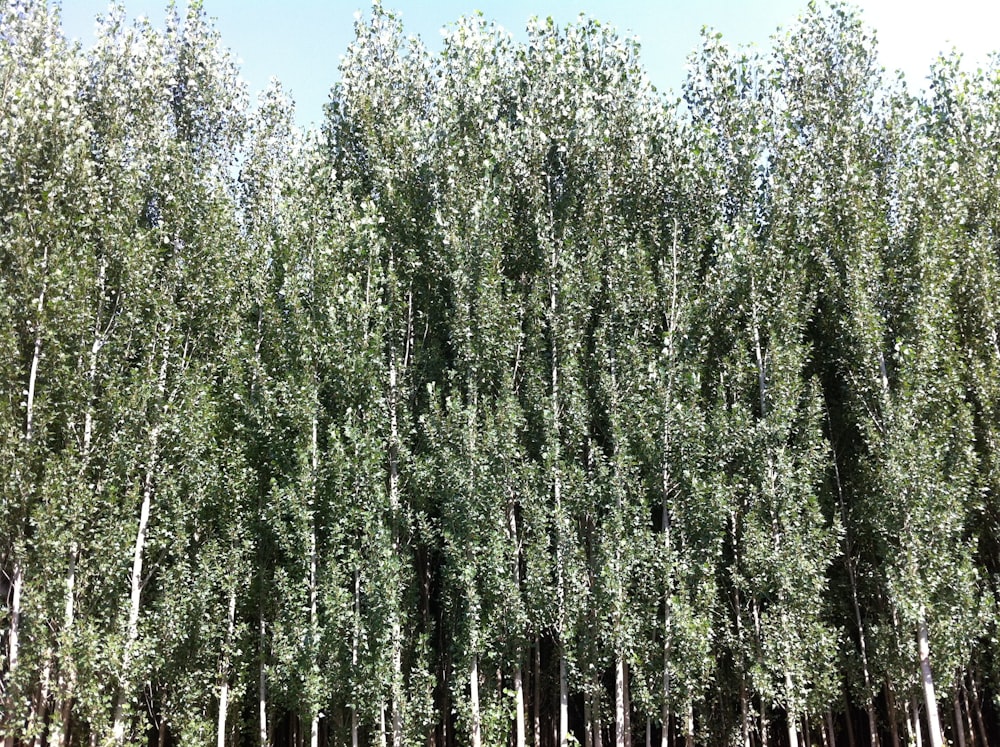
60	734
628	704
394	505
135	597
793	732
535	711
765	724
858	621
563	702
474	701
972	703
892	715
13	644
224	671
666	487
132	631
831	738
17	570
313	621
262	690
959	726
382	738
563	732
519	720
620	702
354	653
667	623
916	736
923	649
598	735
519	715
36	356
744	713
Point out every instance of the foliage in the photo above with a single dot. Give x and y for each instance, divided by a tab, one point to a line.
514	380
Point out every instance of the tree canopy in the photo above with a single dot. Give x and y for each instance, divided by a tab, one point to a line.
517	404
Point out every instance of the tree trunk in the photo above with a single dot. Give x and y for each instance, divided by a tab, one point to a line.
354	653
36	356
537	687
959	726
852	578
132	631
744	714
892	713
916	736
17	572
862	641
553	318
765	725
563	701
313	561
382	737
519	718
923	648
224	673
519	707
474	701
760	356
13	634
39	707
665	724
394	508
620	702
598	722
689	724
262	733
628	706
397	682
667	493
975	708
793	735
60	734
848	720
135	597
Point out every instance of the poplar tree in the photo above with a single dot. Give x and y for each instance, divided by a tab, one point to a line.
518	403
47	182
379	134
474	410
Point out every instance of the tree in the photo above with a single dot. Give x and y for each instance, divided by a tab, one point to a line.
47	183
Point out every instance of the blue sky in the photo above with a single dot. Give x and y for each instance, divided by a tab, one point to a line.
300	41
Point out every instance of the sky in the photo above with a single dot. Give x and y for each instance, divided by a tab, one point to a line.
300	42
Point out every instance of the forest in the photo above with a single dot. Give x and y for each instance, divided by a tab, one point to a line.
519	403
